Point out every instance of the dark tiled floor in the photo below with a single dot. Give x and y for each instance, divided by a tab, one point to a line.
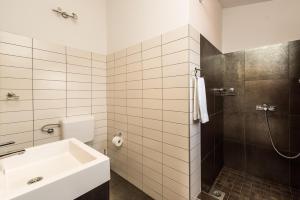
120	189
239	186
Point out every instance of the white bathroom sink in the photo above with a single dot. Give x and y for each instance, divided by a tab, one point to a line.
64	170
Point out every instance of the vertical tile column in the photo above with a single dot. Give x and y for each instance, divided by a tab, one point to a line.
16	116
195	137
49	89
79	82
134	114
119	155
110	71
175	60
99	107
152	117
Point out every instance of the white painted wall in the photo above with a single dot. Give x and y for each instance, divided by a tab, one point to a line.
260	24
34	18
206	17
131	21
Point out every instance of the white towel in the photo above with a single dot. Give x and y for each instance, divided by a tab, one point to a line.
200	105
196	110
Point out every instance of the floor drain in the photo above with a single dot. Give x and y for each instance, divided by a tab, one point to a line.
34	180
218	194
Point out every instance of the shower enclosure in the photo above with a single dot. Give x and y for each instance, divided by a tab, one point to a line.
247	163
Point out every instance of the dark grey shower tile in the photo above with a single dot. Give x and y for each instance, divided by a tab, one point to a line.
256	130
213	79
219	103
244	186
234	66
294	59
270	62
296	193
294	96
207	48
295	174
123	190
233	104
234	155
234	126
212	64
219	159
210	98
266	163
273	92
207	172
207	137
295	133
219	128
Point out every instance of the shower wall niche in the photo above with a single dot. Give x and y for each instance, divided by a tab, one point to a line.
263	75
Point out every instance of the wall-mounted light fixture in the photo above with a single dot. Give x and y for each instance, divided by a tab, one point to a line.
64	14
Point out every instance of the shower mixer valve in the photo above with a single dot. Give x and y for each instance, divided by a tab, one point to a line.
265	107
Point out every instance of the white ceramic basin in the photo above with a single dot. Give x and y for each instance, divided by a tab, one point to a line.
69	169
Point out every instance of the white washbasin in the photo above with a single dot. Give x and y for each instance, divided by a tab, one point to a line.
69	169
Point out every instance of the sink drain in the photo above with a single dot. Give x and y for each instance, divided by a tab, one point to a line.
34	180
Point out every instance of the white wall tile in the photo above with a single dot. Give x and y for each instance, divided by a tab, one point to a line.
82	78
134	49
14	106
49	113
79	86
15	72
12	83
175	34
175	58
175	46
154	42
14	61
48	75
152	53
47	46
49	94
78	69
18	127
14	50
48	65
79	53
78	61
47	104
50	85
15	39
49	56
11	117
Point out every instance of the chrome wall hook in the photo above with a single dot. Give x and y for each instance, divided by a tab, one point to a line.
12	96
64	14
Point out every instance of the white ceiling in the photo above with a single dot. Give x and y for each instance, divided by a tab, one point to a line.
233	3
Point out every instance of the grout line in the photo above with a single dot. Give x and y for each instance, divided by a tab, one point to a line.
66	90
162	112
189	118
33	109
142	66
91	84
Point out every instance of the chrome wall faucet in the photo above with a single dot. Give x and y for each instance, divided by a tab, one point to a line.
265	107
